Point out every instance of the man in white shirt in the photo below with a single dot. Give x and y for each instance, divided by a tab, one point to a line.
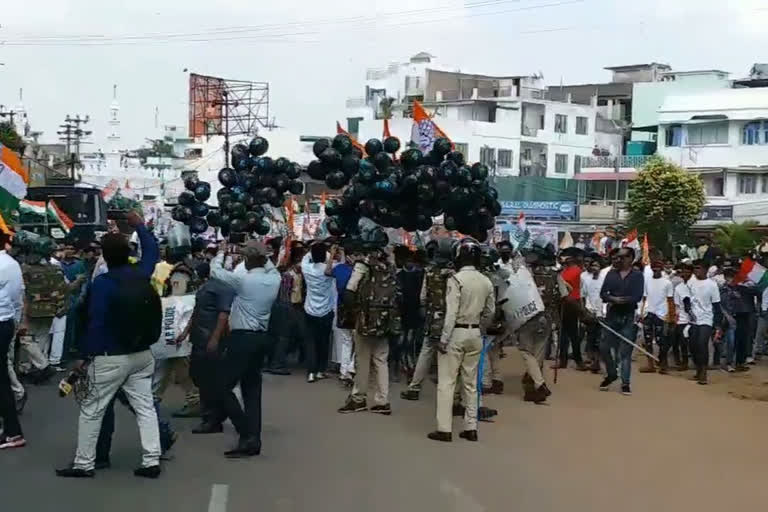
682	301
11	305
591	284
317	268
658	303
758	347
706	315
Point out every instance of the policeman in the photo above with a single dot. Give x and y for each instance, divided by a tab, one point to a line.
46	297
496	330
433	299
469	301
373	289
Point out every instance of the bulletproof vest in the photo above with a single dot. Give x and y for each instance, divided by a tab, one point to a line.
379	298
46	290
546	281
436	283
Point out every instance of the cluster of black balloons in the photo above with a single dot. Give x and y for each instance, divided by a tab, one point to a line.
405	193
254	180
192	209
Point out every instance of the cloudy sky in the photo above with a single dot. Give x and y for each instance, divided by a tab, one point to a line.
66	54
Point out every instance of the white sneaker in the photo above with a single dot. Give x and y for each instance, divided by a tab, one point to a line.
311	377
750	360
730	369
320	376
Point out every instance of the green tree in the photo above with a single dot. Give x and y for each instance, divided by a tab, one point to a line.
10	138
664	202
736	239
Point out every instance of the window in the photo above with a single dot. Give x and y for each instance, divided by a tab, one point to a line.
561	123
541	121
577	164
582	124
462	148
504	159
710	133
765	183
673	135
353	124
714	186
751	134
561	163
487	156
747	184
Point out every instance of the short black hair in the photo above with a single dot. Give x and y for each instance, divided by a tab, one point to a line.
698	263
115	249
318	252
729	272
5	238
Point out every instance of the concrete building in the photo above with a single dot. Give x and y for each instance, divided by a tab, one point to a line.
723	136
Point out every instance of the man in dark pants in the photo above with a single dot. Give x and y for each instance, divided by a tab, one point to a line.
317	270
256	287
213	302
622	290
706	315
569	333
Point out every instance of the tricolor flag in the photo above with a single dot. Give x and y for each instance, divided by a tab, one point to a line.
386	133
13	180
521	221
632	242
306	234
752	271
59	216
33	207
425	131
646	251
4	228
342	131
110	190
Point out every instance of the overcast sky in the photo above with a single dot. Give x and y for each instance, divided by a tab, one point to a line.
314	54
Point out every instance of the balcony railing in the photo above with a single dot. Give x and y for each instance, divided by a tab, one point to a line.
633	161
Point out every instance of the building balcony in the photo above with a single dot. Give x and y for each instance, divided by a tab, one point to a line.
355	102
597	163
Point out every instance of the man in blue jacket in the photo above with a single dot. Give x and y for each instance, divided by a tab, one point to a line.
110	364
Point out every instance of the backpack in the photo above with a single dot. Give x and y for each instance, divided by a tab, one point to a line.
137	318
379	300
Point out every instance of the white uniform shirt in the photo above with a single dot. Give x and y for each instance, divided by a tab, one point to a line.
11	289
657	291
704	293
321	289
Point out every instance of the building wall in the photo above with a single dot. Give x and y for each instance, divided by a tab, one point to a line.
732	154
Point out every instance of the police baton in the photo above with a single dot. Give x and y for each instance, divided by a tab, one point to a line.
622	338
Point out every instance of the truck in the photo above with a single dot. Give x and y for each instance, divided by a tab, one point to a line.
84	205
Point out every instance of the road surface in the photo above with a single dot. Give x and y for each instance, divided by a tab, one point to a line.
671	446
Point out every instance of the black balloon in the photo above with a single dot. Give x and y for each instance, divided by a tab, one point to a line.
367	208
276	200
238	225
342	143
479	171
449	223
239	193
242	164
224	230
464	177
263	227
411	158
214	219
334	226
442	146
447	171
225	197
264	165
224	220
202	191
495	208
392	145
177	214
409	183
250	201
493	193
258	146
331	158
425	192
249	180
293	171
487	222
281	183
456	157
186	198
237	210
336	180
252	219
319	146
373	147
239	151
481	236
350	165
200	209
198	225
227	177
442	188
316	170
281	164
384	189
382	161
423	222
191	182
356	151
296	187
432	158
367	172
332	207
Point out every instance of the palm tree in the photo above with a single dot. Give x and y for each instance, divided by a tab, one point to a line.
736	239
386	107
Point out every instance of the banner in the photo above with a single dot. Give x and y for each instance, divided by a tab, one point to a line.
177	310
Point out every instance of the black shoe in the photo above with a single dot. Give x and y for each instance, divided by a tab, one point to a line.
445	437
188	411
207	428
458	410
486	413
469	435
626	390
244	449
497	387
409	394
352	406
42	376
148	472
21	402
385	409
71	472
606	384
103	464
278	371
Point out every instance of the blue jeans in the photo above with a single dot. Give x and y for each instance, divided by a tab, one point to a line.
729	338
610	345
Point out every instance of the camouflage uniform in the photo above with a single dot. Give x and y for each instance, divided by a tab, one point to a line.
534	337
433	297
46	297
378	300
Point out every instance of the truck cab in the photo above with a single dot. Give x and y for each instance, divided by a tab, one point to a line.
85	206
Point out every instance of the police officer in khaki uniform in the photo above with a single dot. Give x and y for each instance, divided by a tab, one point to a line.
469	302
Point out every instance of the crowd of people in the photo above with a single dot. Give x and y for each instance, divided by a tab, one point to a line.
371	314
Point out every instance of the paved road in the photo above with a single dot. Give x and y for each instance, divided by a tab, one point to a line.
671	446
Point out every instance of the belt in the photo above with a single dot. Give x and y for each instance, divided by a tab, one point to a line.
118	352
466	326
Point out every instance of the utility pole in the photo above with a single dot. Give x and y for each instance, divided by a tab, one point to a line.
72	134
226	103
7	113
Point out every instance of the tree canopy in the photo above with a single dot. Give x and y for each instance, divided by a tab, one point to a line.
665	201
9	137
736	239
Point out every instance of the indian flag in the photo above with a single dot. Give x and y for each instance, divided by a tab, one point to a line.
59	216
33	207
13	180
753	272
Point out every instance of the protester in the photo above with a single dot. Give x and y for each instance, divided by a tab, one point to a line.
591	285
410	279
286	324
569	335
317	269
659	307
123	321
737	302
681	345
11	305
705	315
344	327
622	290
256	286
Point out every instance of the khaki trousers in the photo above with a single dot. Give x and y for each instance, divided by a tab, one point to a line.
168	370
492	366
371	355
36	343
532	339
462	357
